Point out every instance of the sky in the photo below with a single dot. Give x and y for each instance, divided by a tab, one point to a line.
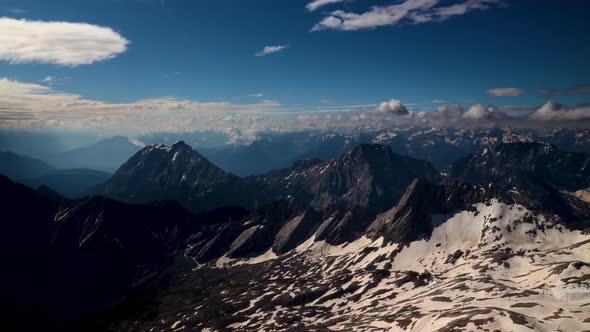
155	65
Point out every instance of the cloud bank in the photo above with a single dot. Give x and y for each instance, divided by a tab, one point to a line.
60	43
33	106
554	111
406	12
577	90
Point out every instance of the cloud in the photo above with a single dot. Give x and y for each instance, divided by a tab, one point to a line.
554	111
34	106
438	101
38	106
60	43
577	90
452	111
47	79
315	4
506	92
479	112
256	95
271	49
17	11
393	106
407	12
456	112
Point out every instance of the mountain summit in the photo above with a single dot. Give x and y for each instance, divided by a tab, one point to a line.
158	172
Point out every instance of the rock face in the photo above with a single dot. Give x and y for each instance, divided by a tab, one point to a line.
369	175
542	175
512	164
342	225
412	218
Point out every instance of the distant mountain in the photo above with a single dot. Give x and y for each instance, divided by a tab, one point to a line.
370	175
21	167
158	172
106	155
276	151
509	164
439	146
72	183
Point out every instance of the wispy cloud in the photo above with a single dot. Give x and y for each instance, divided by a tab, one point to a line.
271	49
256	95
438	101
17	11
577	90
61	43
506	92
407	12
315	4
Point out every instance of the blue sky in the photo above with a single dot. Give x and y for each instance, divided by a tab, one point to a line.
205	50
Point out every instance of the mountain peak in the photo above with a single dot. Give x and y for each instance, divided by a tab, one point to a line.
165	172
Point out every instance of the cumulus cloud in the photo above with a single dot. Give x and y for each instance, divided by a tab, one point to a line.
577	90
479	112
554	111
61	43
456	112
271	49
407	12
315	4
452	111
393	106
506	92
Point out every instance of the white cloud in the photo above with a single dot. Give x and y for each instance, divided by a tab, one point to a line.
452	111
409	11
456	112
506	92
315	4
393	106
47	79
256	95
438	101
271	49
554	111
61	43
479	112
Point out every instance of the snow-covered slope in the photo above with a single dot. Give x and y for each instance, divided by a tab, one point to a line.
496	267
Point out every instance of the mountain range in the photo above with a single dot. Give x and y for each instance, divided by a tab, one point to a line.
366	240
